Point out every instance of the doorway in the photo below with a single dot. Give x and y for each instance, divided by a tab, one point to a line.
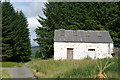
69	53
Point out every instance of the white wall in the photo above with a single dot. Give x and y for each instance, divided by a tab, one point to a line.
80	50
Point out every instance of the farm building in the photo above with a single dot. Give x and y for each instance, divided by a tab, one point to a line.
80	44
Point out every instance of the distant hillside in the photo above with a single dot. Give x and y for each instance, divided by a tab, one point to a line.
35	46
34	49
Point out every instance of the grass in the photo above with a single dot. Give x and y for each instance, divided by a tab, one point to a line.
86	68
10	64
5	74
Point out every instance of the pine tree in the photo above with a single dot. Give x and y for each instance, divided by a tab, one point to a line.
76	15
15	35
7	20
24	41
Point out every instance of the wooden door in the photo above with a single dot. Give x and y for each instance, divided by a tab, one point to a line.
69	53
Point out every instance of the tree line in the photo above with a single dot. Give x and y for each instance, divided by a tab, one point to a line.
0	30
74	16
15	35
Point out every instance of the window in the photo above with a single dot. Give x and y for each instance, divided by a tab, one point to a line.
62	32
87	34
75	33
99	34
91	49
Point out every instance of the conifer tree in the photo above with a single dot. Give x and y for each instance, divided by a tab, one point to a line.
7	20
23	38
15	35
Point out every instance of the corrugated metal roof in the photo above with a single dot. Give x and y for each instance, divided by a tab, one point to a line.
82	36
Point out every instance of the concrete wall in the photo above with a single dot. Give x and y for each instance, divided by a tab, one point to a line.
80	50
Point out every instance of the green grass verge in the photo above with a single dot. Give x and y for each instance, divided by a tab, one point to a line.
5	74
10	64
86	68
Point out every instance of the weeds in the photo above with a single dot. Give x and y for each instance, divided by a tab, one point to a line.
86	68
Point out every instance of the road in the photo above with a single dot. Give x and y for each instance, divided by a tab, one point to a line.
21	72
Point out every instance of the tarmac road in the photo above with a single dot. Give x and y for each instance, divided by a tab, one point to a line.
21	72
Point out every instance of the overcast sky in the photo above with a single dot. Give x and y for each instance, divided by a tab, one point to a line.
31	10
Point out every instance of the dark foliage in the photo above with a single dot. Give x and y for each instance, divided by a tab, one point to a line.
15	35
77	15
